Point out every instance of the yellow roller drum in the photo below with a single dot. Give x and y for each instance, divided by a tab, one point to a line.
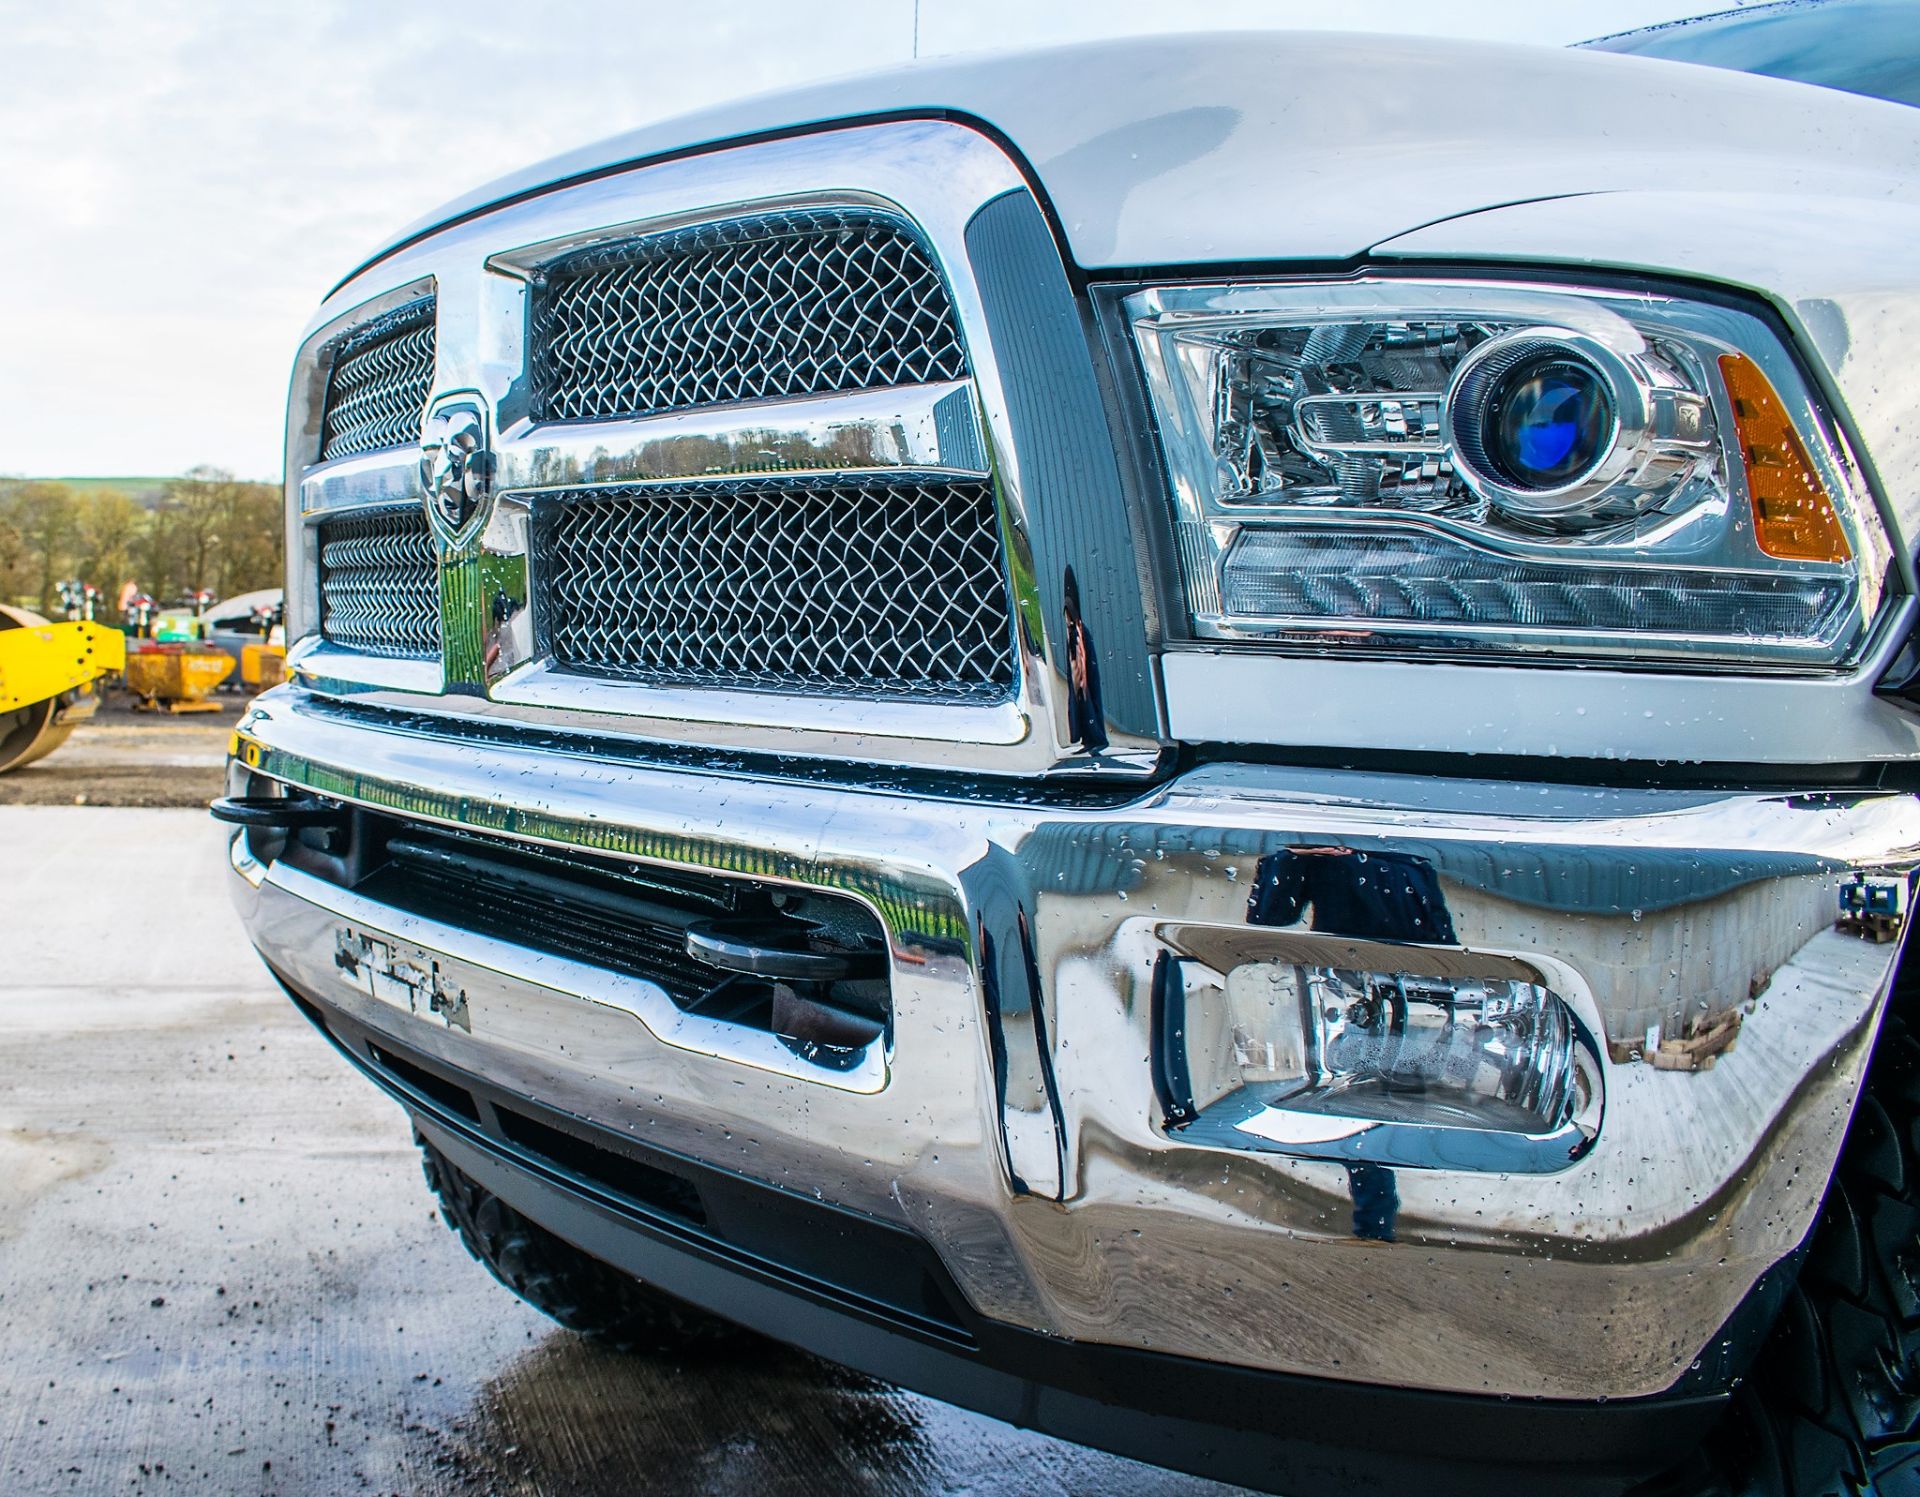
46	681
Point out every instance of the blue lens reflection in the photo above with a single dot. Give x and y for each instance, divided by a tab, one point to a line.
1549	430
1549	421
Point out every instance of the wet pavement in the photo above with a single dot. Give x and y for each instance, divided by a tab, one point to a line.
220	1270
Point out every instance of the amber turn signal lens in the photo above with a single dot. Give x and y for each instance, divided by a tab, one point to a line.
1793	518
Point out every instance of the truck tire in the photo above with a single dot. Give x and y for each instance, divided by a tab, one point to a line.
559	1280
1832	1403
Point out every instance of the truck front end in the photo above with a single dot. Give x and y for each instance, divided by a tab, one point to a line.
1138	793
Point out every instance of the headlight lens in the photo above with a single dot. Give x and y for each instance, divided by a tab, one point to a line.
1547	421
1475	467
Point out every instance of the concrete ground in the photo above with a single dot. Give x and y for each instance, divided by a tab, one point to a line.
220	1271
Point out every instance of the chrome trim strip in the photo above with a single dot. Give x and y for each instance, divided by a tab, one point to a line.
924	428
933	428
489	963
325	666
618	706
369	480
1241	695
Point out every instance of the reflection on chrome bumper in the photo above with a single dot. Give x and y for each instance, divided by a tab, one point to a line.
1018	1125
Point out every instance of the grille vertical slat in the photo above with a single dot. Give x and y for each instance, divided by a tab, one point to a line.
875	588
379	589
777	305
379	382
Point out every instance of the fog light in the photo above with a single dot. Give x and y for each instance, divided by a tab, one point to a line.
1395	1067
1471	1054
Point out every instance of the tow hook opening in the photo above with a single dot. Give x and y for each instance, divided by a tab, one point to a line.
818	984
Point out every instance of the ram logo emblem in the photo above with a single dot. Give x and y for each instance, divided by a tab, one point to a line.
456	465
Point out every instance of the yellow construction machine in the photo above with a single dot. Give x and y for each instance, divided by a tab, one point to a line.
47	673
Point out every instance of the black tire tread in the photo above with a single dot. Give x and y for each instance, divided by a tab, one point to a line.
1832	1408
558	1279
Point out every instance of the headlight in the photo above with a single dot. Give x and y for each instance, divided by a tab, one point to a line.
1476	467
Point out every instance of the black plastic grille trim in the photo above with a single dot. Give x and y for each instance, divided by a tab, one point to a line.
865	588
378	384
794	303
621	1173
872	1267
453	1097
568	916
380	584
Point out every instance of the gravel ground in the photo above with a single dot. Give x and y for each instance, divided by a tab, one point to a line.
120	757
220	1270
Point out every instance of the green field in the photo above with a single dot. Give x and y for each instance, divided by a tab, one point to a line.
140	490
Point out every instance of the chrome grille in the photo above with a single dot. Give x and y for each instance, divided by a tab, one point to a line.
878	588
379	586
379	382
798	303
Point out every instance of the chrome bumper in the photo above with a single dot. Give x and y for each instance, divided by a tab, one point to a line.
1013	1123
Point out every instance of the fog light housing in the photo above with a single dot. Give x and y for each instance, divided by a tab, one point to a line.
1404	1068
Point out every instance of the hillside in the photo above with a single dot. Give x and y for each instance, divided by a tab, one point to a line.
143	491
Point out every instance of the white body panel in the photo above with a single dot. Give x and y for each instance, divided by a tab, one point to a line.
1231	148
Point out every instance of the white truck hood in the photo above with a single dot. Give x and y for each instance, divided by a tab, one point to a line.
1229	148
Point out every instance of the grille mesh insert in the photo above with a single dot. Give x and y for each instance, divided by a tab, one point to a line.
379	383
799	303
855	589
379	586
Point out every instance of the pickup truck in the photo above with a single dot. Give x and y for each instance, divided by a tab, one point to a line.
1208	741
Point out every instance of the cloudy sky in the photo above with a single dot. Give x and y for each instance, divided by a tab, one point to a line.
181	180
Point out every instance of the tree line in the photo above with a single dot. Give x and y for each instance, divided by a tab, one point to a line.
206	529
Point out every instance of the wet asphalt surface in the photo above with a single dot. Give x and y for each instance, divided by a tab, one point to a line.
221	1272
